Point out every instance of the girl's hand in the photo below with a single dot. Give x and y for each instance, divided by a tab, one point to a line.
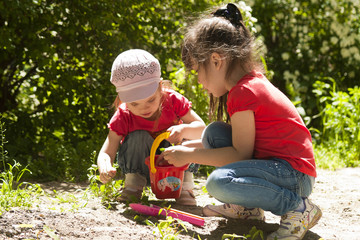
176	134
177	155
107	172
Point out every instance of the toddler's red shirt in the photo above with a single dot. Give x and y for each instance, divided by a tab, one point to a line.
174	107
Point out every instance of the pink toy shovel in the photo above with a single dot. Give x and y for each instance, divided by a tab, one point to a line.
154	210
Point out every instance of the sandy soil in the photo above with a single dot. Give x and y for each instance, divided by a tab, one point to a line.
73	214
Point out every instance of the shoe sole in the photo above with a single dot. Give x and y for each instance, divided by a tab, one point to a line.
315	220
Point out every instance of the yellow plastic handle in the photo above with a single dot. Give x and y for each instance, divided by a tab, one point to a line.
154	146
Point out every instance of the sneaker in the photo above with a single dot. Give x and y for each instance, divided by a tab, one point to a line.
129	195
234	211
186	198
295	224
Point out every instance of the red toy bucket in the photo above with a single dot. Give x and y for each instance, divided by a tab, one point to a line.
167	181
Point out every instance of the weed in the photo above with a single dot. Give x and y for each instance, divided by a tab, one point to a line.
13	192
50	232
169	229
253	234
3	152
109	191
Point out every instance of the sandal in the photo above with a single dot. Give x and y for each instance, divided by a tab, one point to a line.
129	195
186	198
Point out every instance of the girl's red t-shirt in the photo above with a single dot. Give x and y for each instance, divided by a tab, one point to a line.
174	107
280	130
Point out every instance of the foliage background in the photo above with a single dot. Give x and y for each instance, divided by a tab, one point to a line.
56	56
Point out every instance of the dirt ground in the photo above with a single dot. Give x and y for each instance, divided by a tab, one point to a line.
337	192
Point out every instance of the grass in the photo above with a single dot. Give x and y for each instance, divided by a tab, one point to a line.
15	193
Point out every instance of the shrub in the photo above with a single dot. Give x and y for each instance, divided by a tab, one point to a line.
308	41
340	117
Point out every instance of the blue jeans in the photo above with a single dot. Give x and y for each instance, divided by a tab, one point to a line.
135	148
270	184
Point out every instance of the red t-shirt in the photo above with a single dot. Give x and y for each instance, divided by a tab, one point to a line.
174	107
280	131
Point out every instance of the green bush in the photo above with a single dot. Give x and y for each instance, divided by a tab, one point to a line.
308	41
340	117
56	58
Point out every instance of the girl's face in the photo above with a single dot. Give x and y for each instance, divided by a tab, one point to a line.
148	108
212	78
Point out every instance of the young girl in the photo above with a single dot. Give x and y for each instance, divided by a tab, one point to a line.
144	110
265	154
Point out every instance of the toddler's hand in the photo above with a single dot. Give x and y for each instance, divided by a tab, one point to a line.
175	134
107	172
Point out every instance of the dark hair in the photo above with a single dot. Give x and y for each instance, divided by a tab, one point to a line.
223	32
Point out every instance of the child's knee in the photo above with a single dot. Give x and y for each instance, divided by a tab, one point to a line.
215	183
216	135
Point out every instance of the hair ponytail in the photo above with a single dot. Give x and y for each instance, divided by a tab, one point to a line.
231	13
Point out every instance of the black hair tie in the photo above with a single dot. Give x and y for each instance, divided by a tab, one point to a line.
231	13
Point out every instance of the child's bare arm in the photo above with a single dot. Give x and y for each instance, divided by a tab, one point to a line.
107	155
197	143
191	128
243	137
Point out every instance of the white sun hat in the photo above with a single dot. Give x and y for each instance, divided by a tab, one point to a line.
136	75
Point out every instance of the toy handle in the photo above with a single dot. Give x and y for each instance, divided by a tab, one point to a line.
154	146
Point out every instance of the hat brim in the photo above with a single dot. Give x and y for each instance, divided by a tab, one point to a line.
138	93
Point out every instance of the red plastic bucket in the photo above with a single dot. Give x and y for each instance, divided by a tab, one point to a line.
167	181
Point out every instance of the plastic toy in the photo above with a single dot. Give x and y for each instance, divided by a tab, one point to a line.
166	180
154	210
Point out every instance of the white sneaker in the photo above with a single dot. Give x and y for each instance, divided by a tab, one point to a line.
234	211
294	224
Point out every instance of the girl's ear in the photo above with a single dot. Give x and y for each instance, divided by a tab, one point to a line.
216	60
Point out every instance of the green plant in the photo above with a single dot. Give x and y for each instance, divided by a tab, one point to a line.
328	157
340	117
13	192
253	234
109	191
308	40
3	152
169	229
55	69
51	233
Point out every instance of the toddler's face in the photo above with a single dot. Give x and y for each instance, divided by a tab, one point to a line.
147	108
